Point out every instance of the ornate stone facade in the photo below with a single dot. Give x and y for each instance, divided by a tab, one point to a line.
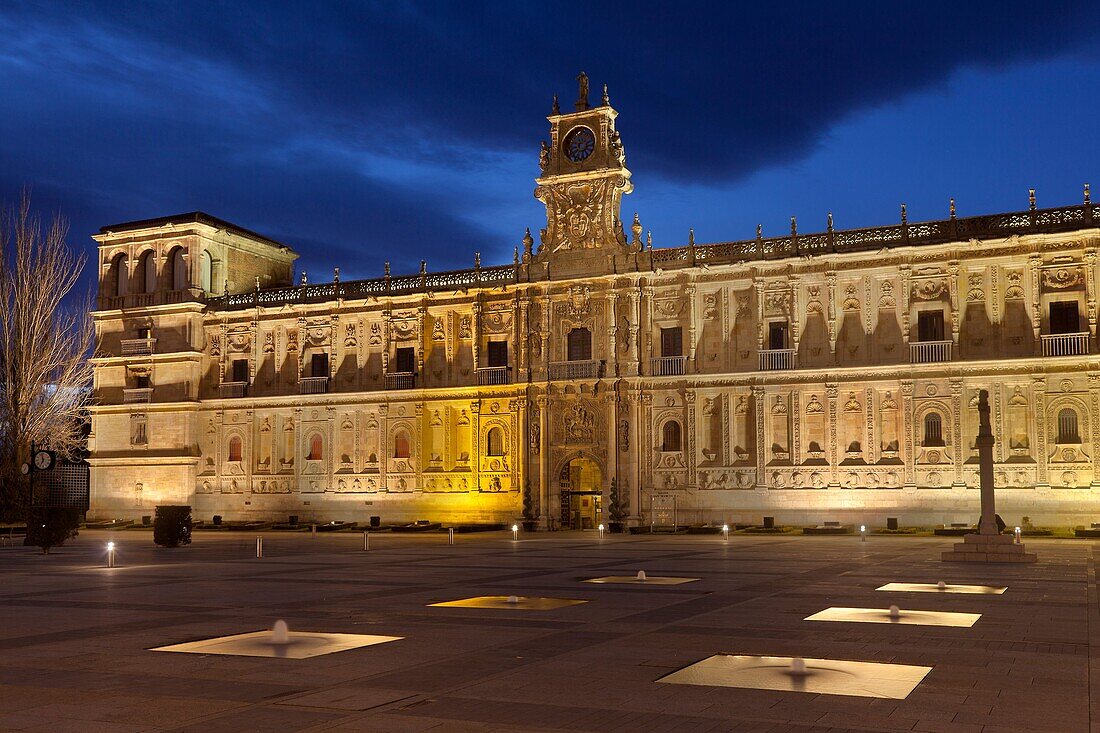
810	376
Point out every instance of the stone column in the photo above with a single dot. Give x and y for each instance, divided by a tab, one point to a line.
544	459
759	409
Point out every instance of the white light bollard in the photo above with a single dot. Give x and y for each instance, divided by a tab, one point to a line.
863	533
110	554
1016	532
515	532
601	531
313	530
726	532
259	546
366	540
450	535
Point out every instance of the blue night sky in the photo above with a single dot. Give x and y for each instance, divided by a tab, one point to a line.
358	133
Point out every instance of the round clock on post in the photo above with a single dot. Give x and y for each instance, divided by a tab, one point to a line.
43	460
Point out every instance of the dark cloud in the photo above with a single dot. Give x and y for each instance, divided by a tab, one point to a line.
370	132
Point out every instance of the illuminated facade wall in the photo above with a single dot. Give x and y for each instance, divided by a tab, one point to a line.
810	377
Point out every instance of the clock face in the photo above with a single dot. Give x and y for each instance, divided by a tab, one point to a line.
43	460
579	144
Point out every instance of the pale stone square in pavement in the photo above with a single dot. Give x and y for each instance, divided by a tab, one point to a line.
77	638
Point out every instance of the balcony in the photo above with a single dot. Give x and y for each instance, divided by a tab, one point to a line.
667	366
1065	344
575	369
774	360
312	385
233	389
134	395
138	347
400	380
928	352
487	376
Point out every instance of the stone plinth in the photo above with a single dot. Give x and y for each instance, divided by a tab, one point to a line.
988	548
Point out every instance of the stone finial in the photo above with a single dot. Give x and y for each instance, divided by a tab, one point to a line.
759	231
649	239
477	260
423	267
904	217
528	242
336	274
555	109
606	99
515	256
1088	199
1031	199
636	233
387	269
829	222
305	278
691	237
952	208
257	282
794	227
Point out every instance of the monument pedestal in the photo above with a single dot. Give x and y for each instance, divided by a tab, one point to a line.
988	548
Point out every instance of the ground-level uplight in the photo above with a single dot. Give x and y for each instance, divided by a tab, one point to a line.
259	546
863	533
601	531
110	554
1017	533
515	531
726	531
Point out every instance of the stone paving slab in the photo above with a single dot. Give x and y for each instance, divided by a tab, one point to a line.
74	637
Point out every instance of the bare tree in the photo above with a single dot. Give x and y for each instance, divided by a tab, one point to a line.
44	346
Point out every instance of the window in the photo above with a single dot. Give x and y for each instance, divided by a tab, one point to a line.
495	442
933	429
178	269
672	342
579	345
118	278
144	333
316	448
405	362
930	326
235	449
206	271
142	381
498	353
1067	426
145	276
1064	317
670	436
777	335
401	445
318	365
240	370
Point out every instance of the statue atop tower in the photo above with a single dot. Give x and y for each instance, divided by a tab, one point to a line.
582	182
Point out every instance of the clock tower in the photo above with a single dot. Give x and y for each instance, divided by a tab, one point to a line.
584	177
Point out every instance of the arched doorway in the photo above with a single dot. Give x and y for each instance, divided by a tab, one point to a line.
581	487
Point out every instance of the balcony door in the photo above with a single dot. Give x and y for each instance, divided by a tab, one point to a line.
930	326
497	353
405	363
777	335
1064	317
672	342
579	345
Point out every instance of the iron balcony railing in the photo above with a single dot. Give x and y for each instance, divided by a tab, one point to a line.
131	395
487	376
233	389
927	352
772	360
138	347
589	369
312	385
1065	344
667	366
400	380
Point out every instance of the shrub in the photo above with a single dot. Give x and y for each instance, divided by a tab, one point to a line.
528	508
172	526
616	510
48	528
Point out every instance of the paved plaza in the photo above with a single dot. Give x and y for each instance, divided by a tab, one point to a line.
75	636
